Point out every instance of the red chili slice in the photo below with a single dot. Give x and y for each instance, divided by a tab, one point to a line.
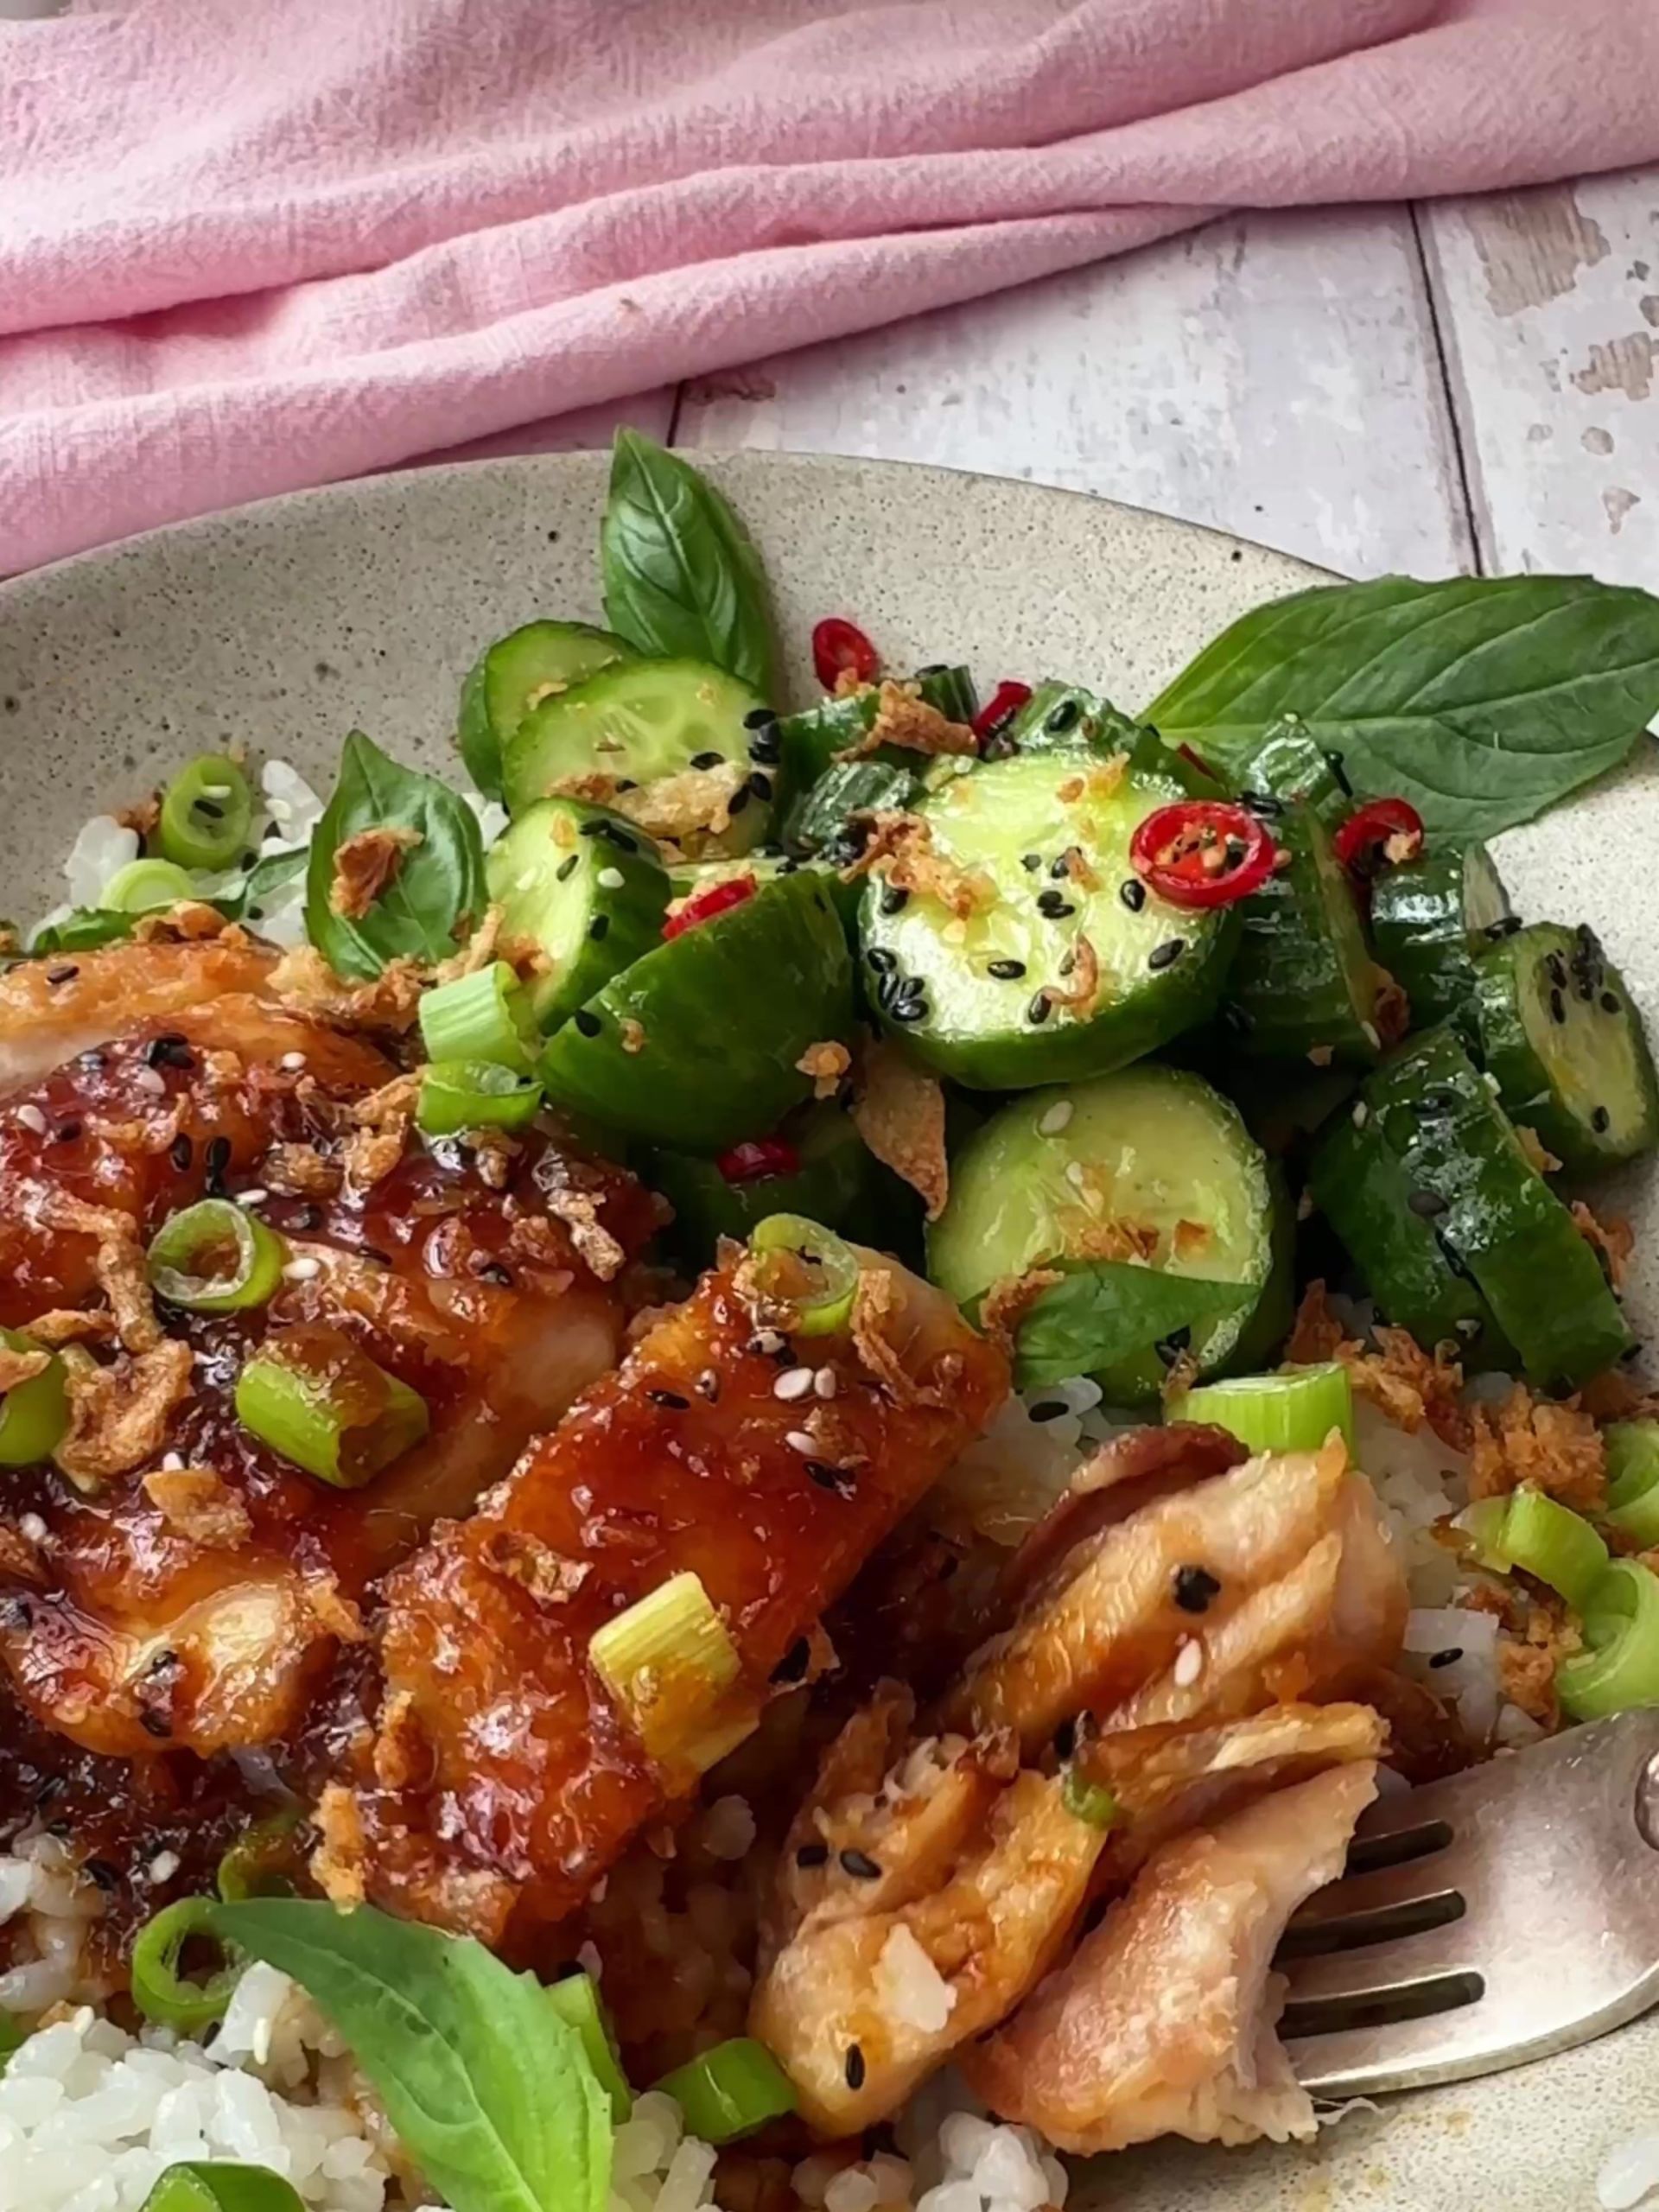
841	649
718	898
747	1163
1203	853
1368	838
999	709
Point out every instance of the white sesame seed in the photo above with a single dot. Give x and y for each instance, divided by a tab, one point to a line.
256	1197
793	1382
1372	1035
824	1383
301	1270
1490	1081
610	878
32	1118
1188	1663
216	790
1074	1174
799	1441
149	1079
588	1959
526	882
292	1061
765	1341
1362	1112
164	1865
1056	1118
33	1528
172	1463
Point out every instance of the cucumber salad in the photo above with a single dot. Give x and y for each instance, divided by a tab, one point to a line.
1026	1182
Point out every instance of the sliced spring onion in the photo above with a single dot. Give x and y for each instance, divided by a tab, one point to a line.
162	1992
222	2185
257	1863
667	1661
1093	1802
459	1095
809	1268
316	1399
207	812
576	2000
13	2036
215	1258
1633	1479
1619	1668
730	2091
484	1016
34	1413
1293	1411
143	887
1482	1526
1558	1546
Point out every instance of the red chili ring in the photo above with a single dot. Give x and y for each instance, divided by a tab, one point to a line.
999	709
1363	840
758	1157
718	898
841	648
1202	852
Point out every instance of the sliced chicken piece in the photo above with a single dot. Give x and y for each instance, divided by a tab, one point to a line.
1164	2020
505	1779
1116	1609
180	1586
61	1005
915	1917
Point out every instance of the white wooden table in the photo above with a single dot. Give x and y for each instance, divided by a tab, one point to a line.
1464	384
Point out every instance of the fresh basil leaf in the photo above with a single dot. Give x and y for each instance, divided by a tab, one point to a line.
491	2092
681	573
245	901
1482	700
437	886
1107	1310
84	931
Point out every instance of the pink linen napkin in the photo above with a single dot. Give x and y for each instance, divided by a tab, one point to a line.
247	245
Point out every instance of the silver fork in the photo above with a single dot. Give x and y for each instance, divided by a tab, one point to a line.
1496	1917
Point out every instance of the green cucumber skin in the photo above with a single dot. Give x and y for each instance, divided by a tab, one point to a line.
818	820
1304	980
1361	1188
1530	1093
1096	723
809	738
1541	1281
1423	927
687	879
496	689
633	911
1287	765
841	1183
705	1077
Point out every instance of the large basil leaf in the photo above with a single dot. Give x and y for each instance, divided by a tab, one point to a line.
681	573
490	2090
438	886
1107	1310
1482	700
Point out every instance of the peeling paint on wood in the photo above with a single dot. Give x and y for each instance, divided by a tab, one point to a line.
1623	364
1618	502
1532	244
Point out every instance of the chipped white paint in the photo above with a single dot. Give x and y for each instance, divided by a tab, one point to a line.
1274	374
1549	301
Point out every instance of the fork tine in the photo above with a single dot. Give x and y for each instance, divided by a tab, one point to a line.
1346	1979
1362	1896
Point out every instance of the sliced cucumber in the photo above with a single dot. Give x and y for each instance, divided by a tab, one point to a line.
696	1045
636	727
1557	1028
515	674
1468	1175
1304	980
809	741
1423	917
1359	1185
586	887
765	866
1287	768
1066	715
1148	1160
968	993
840	1183
820	819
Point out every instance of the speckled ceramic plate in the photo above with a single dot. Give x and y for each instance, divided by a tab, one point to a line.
287	624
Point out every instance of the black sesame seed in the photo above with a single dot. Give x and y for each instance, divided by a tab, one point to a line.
1065	1739
156	1724
1506	925
788	865
1170	1348
1054	904
168	1051
707	1385
1061	715
493	1271
1264	804
1194	1588
62	974
624	840
1047	1409
101	1874
1167	954
761	785
67	1132
812	1855
1449	1658
1133	892
893	900
1427	1205
708	760
1557	1007
1037	1009
829	1478
1609	1003
1060	868
909	1010
671	1399
587	1024
599	927
793	1664
739	799
1030	862
597	827
216	1159
860	1866
1006	971
1600	1119
853	2067
758	718
626	784
565	868
880	959
305	1218
208	808
1333	762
